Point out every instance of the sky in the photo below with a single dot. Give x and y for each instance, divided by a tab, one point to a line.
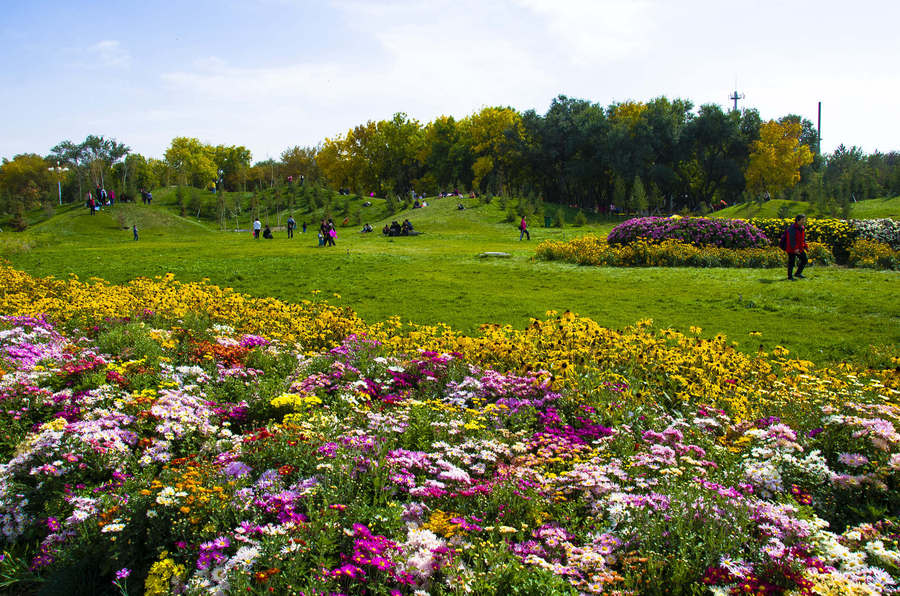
272	74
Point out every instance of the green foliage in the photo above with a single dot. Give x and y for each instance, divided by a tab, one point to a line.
873	255
511	213
639	199
580	219
620	195
560	220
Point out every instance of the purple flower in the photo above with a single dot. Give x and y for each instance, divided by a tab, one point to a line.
237	469
123	573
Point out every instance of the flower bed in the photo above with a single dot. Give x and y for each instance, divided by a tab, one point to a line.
725	233
886	231
873	255
175	454
836	234
590	250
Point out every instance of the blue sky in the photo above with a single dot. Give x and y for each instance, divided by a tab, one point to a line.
270	74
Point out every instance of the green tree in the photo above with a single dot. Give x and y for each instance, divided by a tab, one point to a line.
496	136
74	157
639	197
620	195
100	154
776	158
560	218
301	161
192	161
713	151
24	182
234	163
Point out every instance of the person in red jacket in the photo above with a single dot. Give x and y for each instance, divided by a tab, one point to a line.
795	247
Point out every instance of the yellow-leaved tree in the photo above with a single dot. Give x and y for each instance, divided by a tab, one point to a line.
776	158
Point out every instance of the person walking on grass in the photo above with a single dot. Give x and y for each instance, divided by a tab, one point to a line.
134	230
291	224
523	227
794	244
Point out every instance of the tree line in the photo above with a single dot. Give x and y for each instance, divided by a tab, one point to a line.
660	155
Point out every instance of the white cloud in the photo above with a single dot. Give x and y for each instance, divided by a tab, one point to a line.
108	53
596	31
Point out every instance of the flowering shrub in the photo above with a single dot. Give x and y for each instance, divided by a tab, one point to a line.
873	255
886	231
726	233
590	250
202	457
836	234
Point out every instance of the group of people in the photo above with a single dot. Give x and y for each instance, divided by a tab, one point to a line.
99	198
327	233
146	196
266	231
398	229
258	228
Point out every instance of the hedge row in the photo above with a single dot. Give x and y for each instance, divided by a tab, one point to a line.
698	231
590	250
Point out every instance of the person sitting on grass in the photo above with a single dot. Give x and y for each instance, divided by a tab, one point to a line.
267	233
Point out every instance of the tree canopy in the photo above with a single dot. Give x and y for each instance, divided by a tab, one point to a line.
663	154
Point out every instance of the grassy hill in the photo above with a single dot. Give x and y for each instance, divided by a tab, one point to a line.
869	209
438	277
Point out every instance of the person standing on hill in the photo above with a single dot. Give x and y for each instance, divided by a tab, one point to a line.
323	234
134	230
523	226
291	224
795	247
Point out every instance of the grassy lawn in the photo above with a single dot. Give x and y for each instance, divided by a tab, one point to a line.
869	209
437	276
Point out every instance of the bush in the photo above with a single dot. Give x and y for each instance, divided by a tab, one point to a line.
837	234
580	219
879	230
727	233
590	250
560	218
873	255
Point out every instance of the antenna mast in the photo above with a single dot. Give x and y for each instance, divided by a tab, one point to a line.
735	97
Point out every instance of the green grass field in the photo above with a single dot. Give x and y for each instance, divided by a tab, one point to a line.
869	209
437	277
